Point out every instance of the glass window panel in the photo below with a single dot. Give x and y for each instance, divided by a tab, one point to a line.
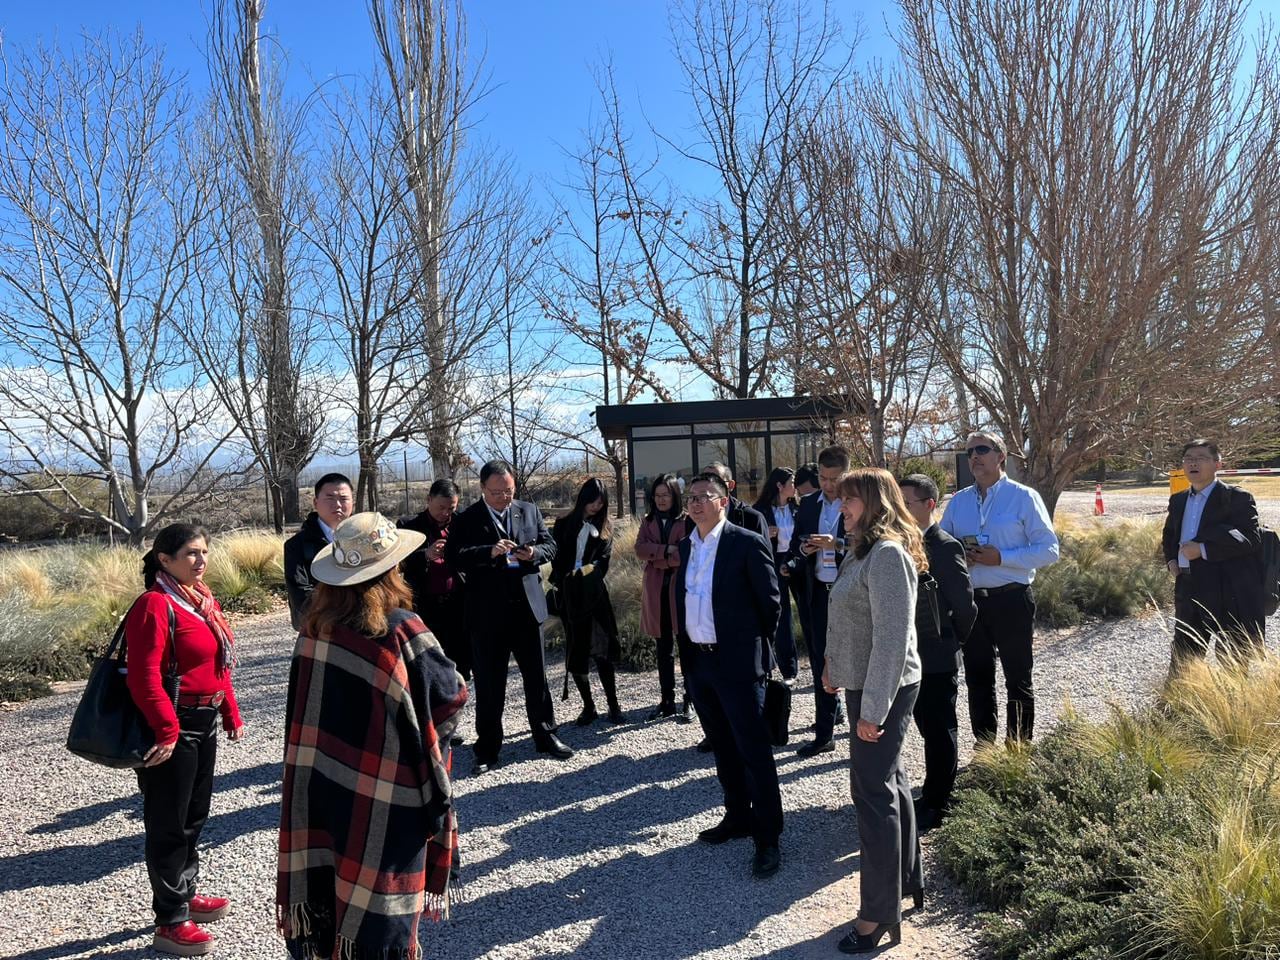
712	449
712	427
672	430
749	468
652	457
794	426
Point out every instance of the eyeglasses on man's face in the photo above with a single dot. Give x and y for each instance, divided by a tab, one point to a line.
700	498
979	450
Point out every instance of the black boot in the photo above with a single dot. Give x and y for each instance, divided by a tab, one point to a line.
588	713
609	682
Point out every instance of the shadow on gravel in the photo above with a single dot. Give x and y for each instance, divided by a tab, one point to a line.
86	862
88	948
678	902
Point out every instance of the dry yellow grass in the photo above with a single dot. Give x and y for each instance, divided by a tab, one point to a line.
256	553
25	573
1235	709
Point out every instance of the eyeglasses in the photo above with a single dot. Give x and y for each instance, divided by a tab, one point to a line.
981	450
910	502
698	498
1197	459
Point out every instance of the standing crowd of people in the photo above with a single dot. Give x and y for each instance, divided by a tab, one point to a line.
400	624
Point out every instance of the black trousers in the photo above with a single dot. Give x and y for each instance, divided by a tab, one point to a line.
1198	625
730	704
825	723
175	806
935	716
514	632
666	652
1003	628
442	613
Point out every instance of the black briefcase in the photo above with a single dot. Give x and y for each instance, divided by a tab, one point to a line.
777	711
108	728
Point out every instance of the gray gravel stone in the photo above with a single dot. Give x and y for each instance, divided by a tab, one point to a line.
594	857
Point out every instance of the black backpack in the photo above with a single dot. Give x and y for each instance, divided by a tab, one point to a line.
1270	571
928	611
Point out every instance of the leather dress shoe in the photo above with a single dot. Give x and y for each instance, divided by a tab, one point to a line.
724	831
662	710
767	860
484	765
685	713
553	746
814	747
205	909
184	939
704	745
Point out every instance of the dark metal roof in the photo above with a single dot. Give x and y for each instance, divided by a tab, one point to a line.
613	420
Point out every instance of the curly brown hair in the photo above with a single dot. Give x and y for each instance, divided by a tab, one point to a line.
363	607
884	514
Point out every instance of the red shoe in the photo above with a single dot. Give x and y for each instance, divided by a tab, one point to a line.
183	940
205	909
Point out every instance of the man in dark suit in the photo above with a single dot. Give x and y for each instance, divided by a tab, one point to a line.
437	587
498	544
333	503
817	547
1213	545
727	609
945	614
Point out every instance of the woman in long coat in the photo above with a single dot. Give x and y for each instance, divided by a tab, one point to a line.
584	545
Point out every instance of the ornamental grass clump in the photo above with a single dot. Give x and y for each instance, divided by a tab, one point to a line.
1152	833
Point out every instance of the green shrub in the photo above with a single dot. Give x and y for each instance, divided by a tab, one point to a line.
935	471
1151	834
1111	570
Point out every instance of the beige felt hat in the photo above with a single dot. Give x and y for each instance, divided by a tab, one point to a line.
364	546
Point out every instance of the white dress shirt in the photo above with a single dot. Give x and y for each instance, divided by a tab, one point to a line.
1010	517
785	521
828	523
699	617
1191	520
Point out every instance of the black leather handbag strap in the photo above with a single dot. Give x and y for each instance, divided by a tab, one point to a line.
120	646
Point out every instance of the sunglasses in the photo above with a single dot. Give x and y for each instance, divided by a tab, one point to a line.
981	450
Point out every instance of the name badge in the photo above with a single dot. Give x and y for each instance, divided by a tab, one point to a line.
984	539
828	559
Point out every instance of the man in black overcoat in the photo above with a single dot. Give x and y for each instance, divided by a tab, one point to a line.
1213	546
498	544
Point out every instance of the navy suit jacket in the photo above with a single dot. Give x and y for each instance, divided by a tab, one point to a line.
745	600
808	516
472	535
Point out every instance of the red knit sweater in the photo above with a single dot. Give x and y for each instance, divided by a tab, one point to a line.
146	632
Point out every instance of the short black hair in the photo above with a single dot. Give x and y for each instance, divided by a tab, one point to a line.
834	456
329	478
808	473
720	469
716	481
496	468
444	487
1202	442
922	482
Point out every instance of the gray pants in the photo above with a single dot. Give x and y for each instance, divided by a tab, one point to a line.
890	854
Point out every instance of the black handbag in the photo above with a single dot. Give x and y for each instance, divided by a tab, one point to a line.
777	711
108	728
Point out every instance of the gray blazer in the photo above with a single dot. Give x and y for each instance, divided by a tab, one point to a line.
871	628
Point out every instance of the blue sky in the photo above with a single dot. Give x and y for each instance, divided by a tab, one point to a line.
539	54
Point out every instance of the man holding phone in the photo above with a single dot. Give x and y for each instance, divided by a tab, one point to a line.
1007	534
817	547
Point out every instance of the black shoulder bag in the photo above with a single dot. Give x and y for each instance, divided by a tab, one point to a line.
108	728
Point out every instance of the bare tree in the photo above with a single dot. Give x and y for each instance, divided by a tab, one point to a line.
432	87
255	342
872	237
1116	167
99	218
754	68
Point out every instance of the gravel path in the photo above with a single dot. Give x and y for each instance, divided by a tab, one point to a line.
591	858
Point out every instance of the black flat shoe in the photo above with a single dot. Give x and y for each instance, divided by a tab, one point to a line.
857	942
704	745
555	747
616	715
586	717
917	897
484	765
814	748
767	860
661	711
685	713
724	831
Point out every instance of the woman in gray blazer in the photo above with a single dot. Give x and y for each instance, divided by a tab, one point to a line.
871	655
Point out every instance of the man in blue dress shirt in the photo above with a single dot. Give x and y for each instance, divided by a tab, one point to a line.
1008	535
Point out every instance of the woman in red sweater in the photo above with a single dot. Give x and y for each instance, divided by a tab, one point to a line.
177	778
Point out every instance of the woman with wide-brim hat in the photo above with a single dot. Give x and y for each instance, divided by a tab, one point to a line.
368	836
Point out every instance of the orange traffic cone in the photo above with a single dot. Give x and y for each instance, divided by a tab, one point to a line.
1098	509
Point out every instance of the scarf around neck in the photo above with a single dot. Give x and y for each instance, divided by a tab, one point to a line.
200	598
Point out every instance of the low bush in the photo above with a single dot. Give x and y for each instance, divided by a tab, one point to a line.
1104	570
1154	833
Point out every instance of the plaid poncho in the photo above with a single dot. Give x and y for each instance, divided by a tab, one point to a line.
368	838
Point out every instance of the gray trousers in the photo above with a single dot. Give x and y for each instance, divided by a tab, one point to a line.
890	854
